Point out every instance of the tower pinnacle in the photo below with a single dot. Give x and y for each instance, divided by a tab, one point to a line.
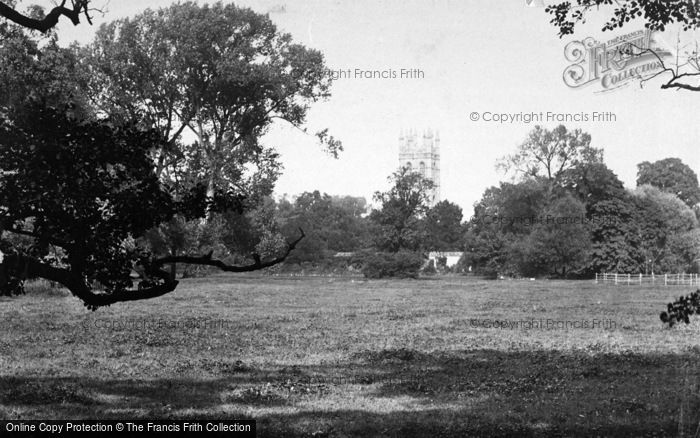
422	154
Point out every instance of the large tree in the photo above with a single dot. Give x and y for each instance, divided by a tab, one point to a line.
82	191
399	220
332	224
667	230
35	69
510	234
616	240
220	72
591	183
443	227
560	242
672	176
502	220
549	154
609	214
85	210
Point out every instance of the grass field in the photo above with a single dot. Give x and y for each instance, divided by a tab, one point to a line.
335	357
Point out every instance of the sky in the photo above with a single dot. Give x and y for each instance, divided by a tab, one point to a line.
475	57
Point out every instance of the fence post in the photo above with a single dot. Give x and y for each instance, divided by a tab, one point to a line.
616	278
665	279
640	278
653	279
596	278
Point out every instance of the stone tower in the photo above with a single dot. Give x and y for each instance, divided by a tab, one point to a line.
421	153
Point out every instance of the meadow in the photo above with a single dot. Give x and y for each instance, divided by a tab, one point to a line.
347	357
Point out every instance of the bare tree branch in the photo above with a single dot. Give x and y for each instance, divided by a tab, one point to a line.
682	86
673	82
208	261
51	19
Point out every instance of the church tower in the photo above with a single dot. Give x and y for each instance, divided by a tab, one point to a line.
421	153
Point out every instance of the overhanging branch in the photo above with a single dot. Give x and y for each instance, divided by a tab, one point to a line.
676	77
30	267
208	261
158	281
51	19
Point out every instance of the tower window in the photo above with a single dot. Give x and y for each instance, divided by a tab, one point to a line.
422	168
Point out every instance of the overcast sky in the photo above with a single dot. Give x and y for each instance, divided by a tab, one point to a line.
476	56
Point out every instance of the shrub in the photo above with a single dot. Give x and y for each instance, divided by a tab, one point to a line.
403	264
429	269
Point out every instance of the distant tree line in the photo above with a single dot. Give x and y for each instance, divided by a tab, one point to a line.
566	214
342	233
563	214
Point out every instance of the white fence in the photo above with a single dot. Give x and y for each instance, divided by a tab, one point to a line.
657	279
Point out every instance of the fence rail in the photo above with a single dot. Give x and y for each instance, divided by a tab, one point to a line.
656	279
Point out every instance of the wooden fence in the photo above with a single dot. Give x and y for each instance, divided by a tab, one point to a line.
656	279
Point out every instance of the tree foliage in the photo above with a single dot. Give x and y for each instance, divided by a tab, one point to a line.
398	221
606	228
560	243
657	14
615	236
333	224
681	309
83	186
591	183
92	156
443	227
219	72
666	228
684	68
37	70
550	154
673	176
401	264
502	218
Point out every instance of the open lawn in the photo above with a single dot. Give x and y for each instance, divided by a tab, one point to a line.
335	357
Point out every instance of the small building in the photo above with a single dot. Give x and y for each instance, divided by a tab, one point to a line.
451	257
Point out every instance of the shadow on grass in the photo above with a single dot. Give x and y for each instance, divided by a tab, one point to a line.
402	393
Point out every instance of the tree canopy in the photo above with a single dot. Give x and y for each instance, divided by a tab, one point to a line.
403	206
220	72
549	154
443	227
93	156
673	176
581	219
